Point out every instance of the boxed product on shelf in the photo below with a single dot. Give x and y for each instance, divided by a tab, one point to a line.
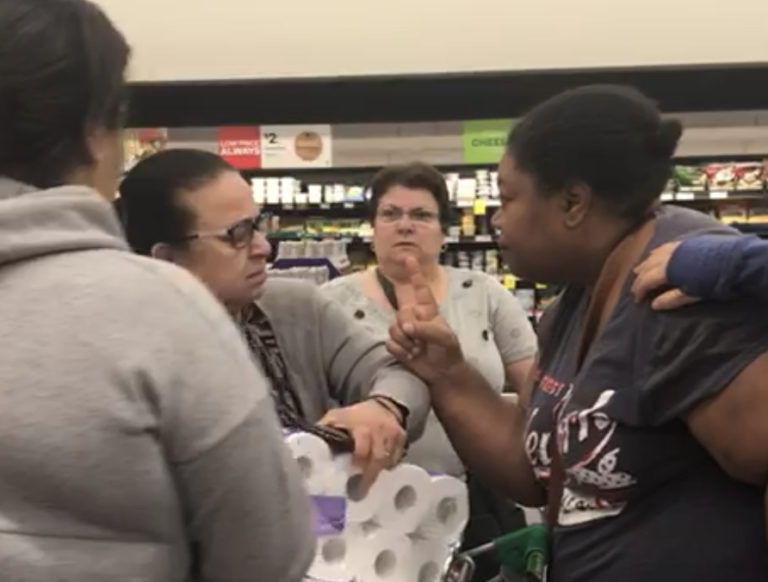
315	193
272	190
355	194
259	189
329	196
452	183
466	191
690	178
750	176
314	275
483	189
722	176
291	249
468	225
494	184
335	250
765	175
339	192
288	191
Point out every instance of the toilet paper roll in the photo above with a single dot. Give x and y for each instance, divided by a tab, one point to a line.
407	499
379	556
330	563
428	561
448	510
314	458
345	479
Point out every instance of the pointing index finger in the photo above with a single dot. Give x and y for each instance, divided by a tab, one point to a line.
424	299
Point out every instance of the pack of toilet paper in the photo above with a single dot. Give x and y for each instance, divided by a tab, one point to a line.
403	529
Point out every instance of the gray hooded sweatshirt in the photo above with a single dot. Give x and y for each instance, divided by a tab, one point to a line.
137	438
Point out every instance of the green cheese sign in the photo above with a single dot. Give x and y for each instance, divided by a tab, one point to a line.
484	140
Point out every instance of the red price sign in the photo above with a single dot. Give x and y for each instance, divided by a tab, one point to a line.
241	146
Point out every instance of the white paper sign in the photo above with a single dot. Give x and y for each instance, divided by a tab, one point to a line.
296	146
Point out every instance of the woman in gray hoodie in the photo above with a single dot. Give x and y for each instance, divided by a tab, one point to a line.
138	441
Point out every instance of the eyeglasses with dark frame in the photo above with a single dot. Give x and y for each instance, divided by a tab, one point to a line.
239	235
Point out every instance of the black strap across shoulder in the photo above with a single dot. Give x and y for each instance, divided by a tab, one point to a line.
388	288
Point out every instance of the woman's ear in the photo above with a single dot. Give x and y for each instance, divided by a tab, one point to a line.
576	200
163	252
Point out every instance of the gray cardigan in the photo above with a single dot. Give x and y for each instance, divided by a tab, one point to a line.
333	361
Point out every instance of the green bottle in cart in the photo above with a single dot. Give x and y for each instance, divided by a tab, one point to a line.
525	551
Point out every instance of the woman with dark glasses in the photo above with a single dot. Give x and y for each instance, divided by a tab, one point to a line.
192	208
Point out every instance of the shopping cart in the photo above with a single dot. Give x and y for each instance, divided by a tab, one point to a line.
522	552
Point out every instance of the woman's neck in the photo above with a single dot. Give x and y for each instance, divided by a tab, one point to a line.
398	274
605	250
237	313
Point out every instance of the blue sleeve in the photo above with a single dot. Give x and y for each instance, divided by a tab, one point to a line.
721	267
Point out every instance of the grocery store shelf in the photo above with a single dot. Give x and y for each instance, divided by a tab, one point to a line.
368	171
299	236
341	209
335	210
702	196
359	209
478	240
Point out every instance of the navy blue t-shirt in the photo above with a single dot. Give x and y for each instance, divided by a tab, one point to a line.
643	501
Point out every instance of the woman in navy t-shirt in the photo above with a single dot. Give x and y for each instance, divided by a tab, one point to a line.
643	431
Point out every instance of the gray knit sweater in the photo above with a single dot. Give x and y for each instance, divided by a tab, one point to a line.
331	359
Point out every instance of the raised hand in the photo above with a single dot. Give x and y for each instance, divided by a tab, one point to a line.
651	275
421	339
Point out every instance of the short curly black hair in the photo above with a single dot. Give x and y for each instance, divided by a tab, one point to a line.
609	137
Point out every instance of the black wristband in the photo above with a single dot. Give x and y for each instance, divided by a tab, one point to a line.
402	412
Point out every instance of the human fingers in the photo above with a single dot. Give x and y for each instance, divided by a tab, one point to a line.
673	299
